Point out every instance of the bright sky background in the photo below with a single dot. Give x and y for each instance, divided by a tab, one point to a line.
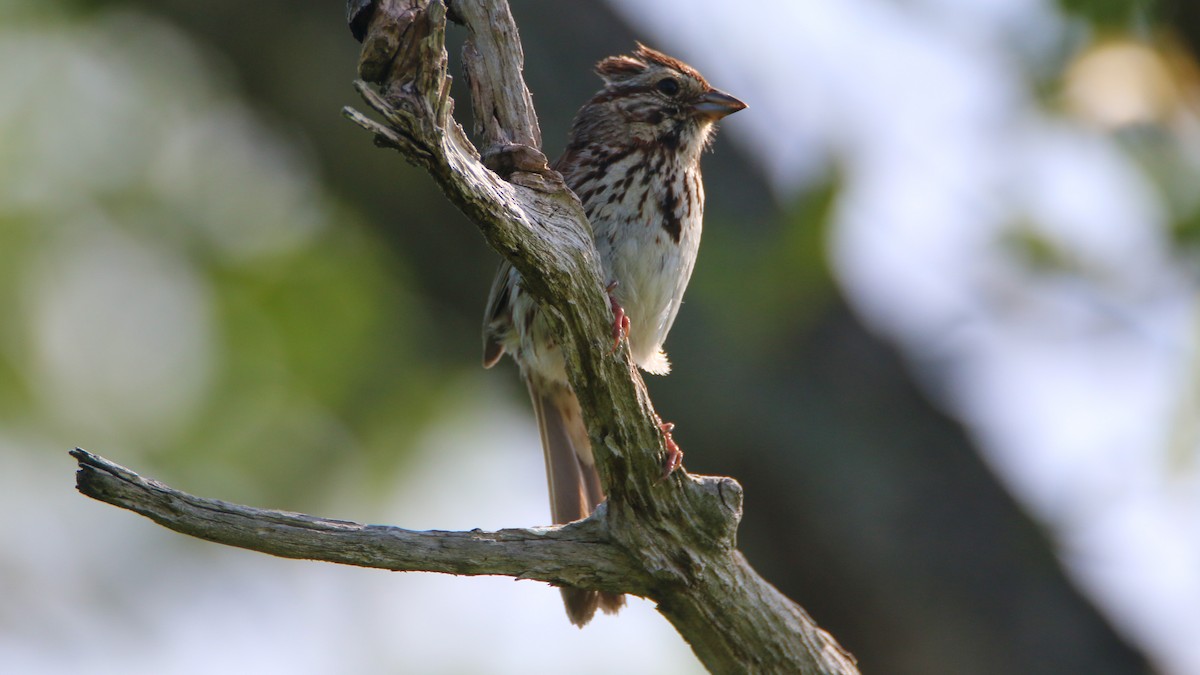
287	617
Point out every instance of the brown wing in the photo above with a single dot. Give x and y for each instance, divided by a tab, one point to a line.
497	317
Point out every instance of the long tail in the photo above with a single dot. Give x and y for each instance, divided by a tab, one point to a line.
574	483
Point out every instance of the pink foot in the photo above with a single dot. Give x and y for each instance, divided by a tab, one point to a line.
674	457
620	329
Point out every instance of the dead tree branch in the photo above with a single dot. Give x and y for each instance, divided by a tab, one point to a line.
533	553
672	541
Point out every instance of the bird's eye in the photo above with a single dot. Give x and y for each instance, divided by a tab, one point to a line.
668	86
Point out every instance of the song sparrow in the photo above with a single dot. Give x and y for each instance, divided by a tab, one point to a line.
634	161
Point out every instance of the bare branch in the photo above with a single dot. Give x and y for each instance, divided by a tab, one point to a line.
579	554
673	541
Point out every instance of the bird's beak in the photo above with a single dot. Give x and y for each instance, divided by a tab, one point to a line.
715	104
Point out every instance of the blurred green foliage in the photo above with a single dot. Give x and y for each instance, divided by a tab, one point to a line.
784	261
1115	14
314	361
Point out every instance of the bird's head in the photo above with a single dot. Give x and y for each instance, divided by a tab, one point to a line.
654	98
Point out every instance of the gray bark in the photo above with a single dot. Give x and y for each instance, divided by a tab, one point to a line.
673	540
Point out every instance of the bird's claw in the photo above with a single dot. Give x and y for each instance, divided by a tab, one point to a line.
674	458
620	328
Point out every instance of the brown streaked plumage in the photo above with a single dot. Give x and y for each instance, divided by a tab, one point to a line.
633	159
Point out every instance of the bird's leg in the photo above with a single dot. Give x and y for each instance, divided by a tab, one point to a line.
620	329
674	455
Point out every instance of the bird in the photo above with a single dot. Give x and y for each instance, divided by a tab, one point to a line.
633	159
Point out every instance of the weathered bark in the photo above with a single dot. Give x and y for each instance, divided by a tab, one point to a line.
674	540
577	554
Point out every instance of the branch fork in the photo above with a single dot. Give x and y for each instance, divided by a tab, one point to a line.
674	540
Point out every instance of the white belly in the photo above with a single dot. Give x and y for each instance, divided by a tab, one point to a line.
650	267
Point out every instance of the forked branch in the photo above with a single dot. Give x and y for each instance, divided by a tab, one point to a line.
672	541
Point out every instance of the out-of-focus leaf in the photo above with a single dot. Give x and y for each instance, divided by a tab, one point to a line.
1112	13
757	288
